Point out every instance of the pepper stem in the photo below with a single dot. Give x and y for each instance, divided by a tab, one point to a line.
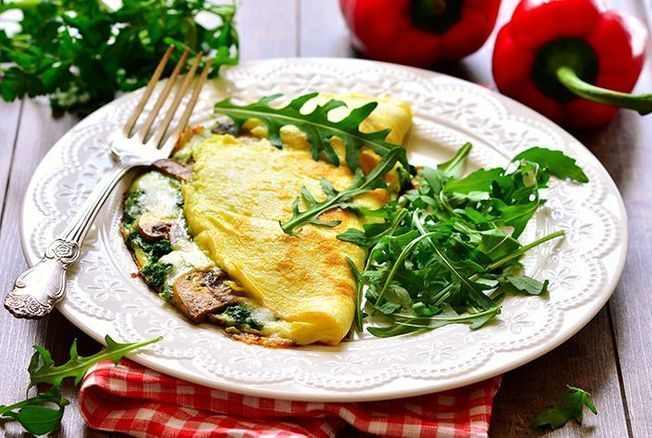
637	102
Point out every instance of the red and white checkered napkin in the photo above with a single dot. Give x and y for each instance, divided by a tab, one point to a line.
131	399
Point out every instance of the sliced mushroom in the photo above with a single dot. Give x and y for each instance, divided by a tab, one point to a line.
198	294
152	227
173	169
224	125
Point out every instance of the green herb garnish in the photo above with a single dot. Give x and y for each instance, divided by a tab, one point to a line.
316	125
569	407
42	413
334	199
448	251
80	52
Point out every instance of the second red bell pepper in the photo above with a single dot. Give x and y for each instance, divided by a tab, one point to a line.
571	60
419	32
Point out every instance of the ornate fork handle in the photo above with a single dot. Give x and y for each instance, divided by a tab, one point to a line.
38	289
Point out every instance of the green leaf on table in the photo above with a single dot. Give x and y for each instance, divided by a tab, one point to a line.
316	125
43	370
555	162
40	414
570	406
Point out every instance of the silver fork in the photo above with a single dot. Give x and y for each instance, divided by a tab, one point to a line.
38	289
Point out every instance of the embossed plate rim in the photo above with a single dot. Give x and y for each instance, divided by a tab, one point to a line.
409	383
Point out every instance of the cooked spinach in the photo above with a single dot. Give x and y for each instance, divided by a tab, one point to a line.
154	249
242	318
155	274
133	206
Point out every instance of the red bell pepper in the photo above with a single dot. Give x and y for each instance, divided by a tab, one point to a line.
419	32
571	60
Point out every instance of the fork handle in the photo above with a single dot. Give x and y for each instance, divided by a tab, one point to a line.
38	289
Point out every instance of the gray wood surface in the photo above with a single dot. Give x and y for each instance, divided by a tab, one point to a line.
609	357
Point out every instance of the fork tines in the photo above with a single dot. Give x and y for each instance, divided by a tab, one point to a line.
157	137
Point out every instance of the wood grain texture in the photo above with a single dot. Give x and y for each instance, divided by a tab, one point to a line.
323	31
609	357
10	115
268	28
624	148
36	133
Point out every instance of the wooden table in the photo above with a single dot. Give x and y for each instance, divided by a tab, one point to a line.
609	357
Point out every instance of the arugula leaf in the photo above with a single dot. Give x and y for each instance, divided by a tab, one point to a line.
372	232
555	162
43	370
443	254
453	167
569	407
475	295
36	414
42	413
79	53
357	318
448	316
316	125
519	215
496	244
334	199
527	284
478	181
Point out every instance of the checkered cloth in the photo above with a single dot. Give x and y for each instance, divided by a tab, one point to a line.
131	399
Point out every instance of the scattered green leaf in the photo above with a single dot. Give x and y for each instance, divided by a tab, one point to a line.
42	413
569	407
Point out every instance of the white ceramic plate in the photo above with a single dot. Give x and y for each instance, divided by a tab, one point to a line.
583	269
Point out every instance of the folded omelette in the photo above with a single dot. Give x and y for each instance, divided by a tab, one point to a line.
297	288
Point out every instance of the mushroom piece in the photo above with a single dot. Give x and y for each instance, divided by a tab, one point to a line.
224	125
173	169
152	227
199	293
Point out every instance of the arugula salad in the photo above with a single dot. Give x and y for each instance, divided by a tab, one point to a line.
446	250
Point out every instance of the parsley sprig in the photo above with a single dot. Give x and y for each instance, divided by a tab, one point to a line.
43	412
79	52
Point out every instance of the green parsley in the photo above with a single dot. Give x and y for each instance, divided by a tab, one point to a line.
79	52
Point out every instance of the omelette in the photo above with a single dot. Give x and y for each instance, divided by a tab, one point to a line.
204	229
